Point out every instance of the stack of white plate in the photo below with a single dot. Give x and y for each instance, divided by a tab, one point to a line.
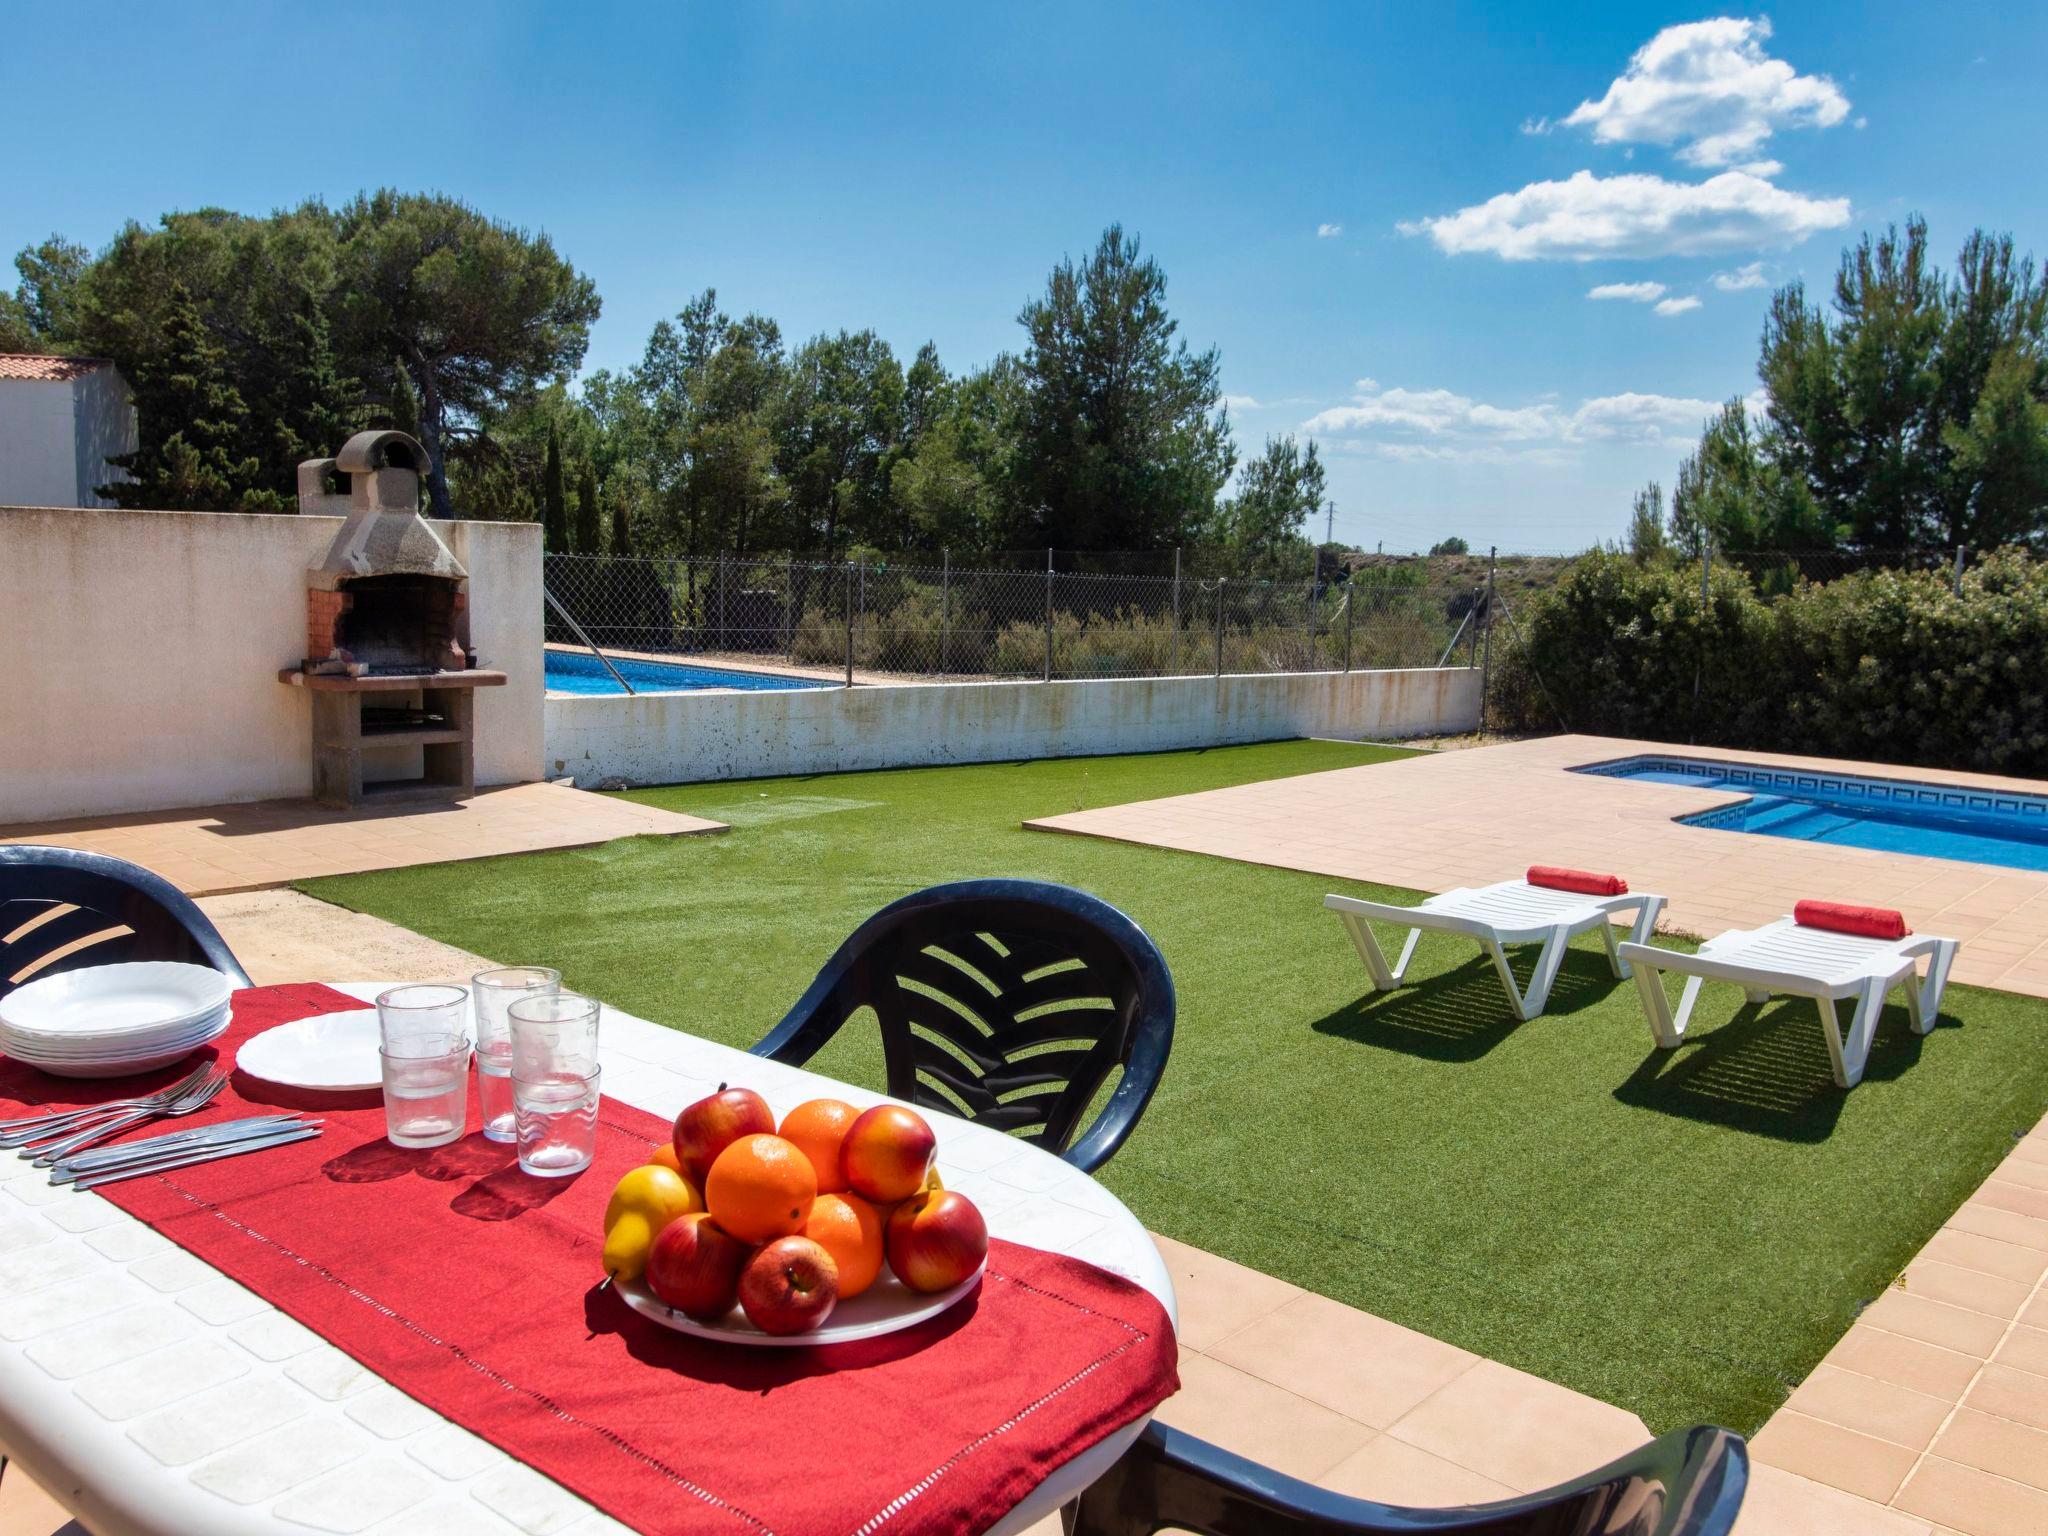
111	1020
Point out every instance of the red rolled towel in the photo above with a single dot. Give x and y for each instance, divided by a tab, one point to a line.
1576	880
1840	917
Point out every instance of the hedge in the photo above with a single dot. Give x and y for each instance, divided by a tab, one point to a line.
1886	666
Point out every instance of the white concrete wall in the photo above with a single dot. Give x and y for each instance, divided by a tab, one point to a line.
677	738
38	458
139	654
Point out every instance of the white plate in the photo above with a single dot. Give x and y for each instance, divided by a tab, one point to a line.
887	1306
123	1067
332	1052
110	1001
33	1043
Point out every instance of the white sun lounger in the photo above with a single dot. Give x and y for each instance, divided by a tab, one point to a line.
1512	912
1805	962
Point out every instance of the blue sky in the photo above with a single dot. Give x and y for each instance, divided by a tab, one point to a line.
1315	179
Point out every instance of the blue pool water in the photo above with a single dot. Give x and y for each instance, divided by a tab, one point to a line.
1940	821
581	672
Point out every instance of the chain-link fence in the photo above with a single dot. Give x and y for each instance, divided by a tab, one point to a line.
856	620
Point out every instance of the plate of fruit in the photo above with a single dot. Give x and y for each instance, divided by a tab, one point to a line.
828	1228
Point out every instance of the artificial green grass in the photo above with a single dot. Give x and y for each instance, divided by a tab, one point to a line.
1683	1234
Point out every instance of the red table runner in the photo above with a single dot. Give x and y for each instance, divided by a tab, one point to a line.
472	1287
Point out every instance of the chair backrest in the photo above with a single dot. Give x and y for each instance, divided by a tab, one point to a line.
1007	1002
62	909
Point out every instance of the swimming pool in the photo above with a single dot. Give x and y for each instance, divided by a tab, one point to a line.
1940	821
581	672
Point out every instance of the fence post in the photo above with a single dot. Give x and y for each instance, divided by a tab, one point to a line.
945	606
849	623
1486	640
1314	594
789	611
723	640
1699	666
1961	551
1350	609
1176	610
1222	582
1048	615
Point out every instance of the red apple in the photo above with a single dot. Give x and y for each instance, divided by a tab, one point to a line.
888	1153
936	1239
706	1128
694	1267
790	1286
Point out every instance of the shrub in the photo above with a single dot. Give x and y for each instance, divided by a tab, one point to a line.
1891	666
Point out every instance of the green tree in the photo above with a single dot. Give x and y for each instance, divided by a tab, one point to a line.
42	313
1912	414
403	413
1450	546
1127	441
1647	539
1277	493
317	404
956	486
190	419
478	312
622	523
840	423
1733	490
589	525
554	500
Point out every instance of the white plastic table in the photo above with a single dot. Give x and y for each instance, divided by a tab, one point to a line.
157	1397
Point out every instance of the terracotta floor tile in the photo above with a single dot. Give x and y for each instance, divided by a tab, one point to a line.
1974	1502
2006	1226
1934	1322
1869	1468
1996	1445
1518	1429
2024	1349
1879	1409
2014	1197
1395	1472
1217	1297
2035	1313
1924	1368
1254	1418
1966	1288
2009	1394
1781	1503
2019	1170
1360	1365
1991	1255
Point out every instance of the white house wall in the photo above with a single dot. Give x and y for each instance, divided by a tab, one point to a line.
38	458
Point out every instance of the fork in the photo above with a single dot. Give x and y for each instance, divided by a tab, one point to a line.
14	1133
195	1098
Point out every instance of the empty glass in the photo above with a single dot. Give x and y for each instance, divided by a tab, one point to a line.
494	993
553	1032
557	1119
426	1090
415	1020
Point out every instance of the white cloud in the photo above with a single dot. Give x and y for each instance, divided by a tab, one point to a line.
1241	403
1750	276
1590	216
1634	293
1709	87
1536	126
1678	306
1329	231
1440	424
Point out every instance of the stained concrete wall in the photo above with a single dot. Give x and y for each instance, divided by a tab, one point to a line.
139	654
677	738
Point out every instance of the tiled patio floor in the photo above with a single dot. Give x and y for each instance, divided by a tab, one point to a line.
1472	817
270	842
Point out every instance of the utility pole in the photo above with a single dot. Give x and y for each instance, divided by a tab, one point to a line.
1330	521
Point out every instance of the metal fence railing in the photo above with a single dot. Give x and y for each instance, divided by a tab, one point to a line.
851	619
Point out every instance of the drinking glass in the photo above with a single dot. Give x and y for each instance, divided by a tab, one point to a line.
557	1118
416	1020
426	1090
553	1032
494	993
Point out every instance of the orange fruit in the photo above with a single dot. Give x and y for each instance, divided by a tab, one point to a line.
665	1157
817	1128
761	1188
852	1231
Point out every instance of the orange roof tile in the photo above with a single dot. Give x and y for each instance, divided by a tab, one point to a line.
47	370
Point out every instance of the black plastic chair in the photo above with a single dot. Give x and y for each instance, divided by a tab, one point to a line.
1688	1483
53	897
1006	1002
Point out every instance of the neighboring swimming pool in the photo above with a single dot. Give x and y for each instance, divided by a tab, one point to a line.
580	672
1940	821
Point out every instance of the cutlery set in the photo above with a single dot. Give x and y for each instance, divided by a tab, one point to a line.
58	1141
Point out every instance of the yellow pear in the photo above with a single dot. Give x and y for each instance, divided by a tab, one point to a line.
642	1203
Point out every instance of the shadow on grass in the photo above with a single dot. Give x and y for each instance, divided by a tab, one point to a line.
1462	1014
1766	1071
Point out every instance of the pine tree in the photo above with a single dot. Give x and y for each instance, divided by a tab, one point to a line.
1646	536
405	402
189	417
314	414
622	524
554	499
589	526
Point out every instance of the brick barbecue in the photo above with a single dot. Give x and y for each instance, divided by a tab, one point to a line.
387	657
